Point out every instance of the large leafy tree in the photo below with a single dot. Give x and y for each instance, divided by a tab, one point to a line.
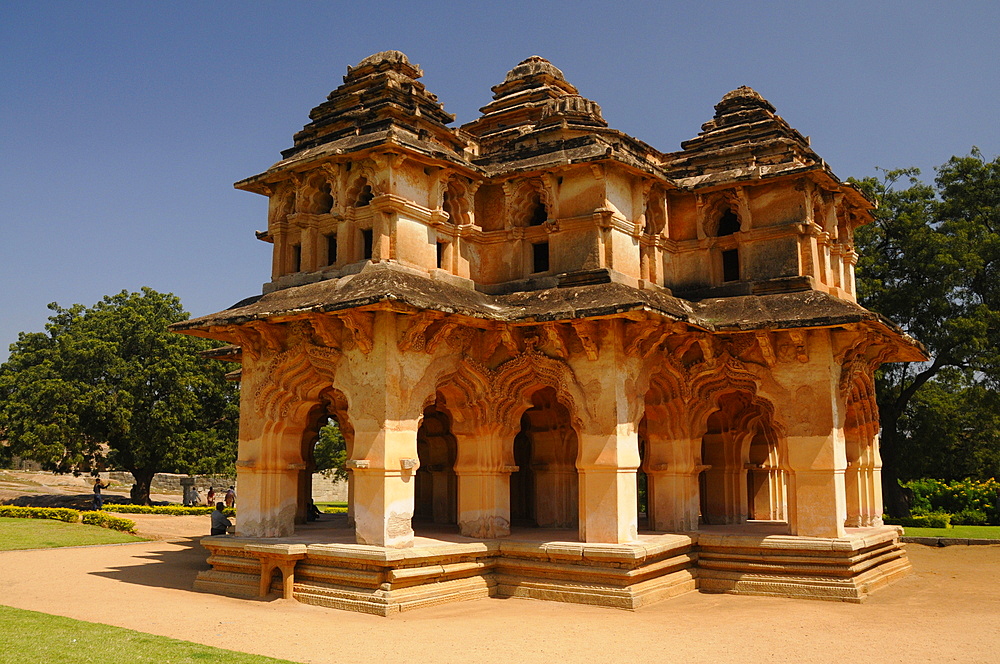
108	385
930	262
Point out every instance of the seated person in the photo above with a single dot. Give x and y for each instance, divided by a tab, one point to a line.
312	512
220	522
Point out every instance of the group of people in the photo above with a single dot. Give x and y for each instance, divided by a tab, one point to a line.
229	500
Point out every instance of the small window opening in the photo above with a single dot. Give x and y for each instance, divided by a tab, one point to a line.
731	265
296	257
540	257
539	215
331	248
324	202
365	197
728	224
441	248
447	206
366	243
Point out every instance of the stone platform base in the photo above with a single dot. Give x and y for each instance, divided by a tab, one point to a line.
658	566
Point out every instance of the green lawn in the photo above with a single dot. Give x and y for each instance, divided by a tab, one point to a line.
332	508
47	534
970	532
29	636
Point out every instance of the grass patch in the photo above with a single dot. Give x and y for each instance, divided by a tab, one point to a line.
29	636
48	534
961	532
332	508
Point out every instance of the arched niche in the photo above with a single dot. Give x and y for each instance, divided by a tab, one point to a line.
331	407
544	491
435	482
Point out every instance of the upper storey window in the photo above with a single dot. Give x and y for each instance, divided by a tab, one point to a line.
537	214
729	224
728	250
365	196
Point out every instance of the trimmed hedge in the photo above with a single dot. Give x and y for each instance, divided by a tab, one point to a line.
934	520
108	521
172	510
56	513
69	516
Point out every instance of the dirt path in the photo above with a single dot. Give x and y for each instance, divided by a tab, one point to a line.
948	611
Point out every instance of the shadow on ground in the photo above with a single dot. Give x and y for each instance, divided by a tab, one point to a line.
174	565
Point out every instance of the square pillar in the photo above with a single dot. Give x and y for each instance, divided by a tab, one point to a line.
384	495
483	478
814	413
609	441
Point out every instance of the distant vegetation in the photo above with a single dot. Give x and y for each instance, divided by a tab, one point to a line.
931	263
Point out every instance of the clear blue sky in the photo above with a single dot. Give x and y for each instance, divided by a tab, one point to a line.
124	125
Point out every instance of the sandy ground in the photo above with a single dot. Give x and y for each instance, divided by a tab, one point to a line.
948	610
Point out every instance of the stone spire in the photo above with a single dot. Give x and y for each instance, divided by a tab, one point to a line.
534	93
744	135
380	100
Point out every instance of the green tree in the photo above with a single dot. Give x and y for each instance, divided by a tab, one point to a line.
330	452
928	262
108	385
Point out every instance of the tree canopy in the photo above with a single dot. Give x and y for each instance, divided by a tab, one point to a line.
108	385
930	262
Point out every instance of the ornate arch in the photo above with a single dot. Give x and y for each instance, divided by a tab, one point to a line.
456	200
728	375
717	206
357	195
316	194
299	374
527	195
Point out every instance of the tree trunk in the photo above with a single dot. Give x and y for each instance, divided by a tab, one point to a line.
140	489
893	495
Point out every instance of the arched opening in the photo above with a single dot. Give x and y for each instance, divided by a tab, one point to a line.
365	197
326	445
435	483
729	224
455	203
323	202
861	479
766	481
537	214
641	480
544	490
649	260
726	246
743	477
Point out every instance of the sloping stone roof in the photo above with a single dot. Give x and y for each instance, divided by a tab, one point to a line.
379	284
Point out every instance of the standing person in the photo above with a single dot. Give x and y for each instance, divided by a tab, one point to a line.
210	498
98	498
231	497
220	523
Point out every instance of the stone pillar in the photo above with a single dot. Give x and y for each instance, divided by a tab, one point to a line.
188	487
609	441
672	469
384	451
813	413
267	471
483	478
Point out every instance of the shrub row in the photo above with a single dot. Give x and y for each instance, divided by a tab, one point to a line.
108	521
69	516
57	513
936	520
970	502
172	510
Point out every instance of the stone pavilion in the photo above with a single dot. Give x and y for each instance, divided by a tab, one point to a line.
567	365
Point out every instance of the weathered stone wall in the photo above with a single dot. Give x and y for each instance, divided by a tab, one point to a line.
324	490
